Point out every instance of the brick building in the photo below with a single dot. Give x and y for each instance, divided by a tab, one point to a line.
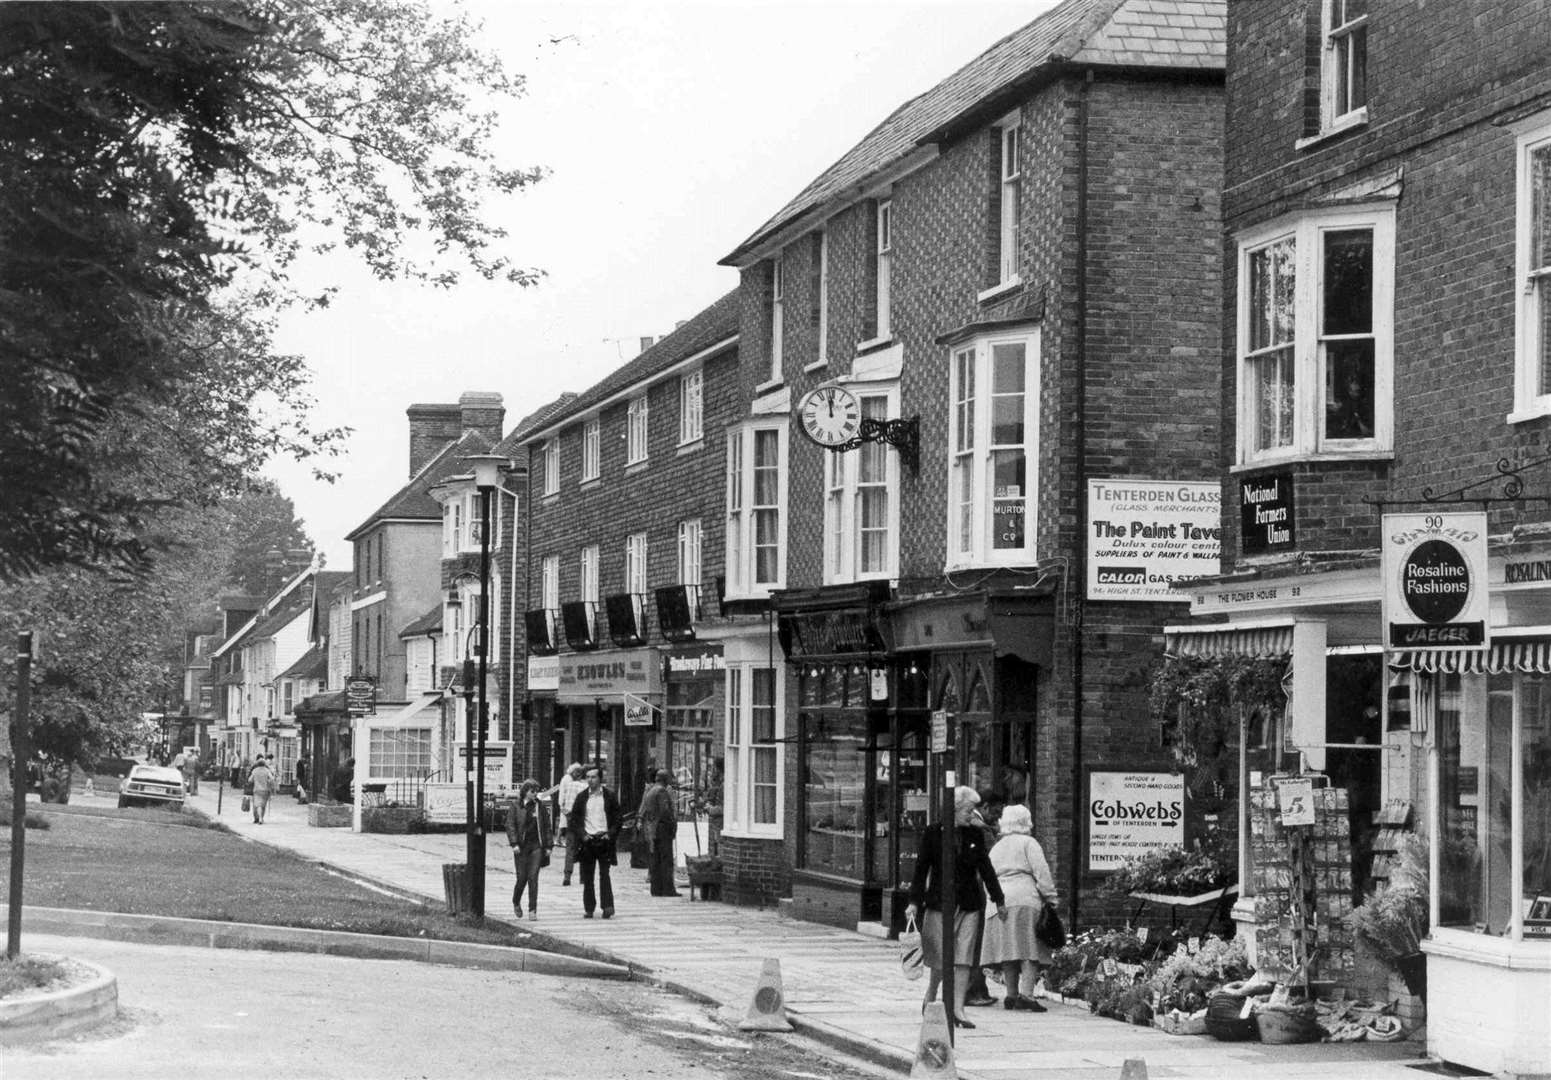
623	539
1011	287
1386	193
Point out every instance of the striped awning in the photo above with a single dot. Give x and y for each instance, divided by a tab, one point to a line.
1211	642
1530	656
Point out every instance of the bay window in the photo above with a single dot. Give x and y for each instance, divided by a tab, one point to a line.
1533	347
1315	333
993	436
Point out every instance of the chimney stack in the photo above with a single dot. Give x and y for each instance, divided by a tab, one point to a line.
482	411
431	427
647	343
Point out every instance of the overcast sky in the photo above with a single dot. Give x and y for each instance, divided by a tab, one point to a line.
672	130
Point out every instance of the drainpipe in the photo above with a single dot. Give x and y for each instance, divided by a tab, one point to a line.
1079	576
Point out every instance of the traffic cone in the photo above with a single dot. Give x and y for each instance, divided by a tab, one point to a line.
1133	1069
934	1049
767	1012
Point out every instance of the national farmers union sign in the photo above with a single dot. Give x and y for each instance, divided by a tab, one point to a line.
1435	594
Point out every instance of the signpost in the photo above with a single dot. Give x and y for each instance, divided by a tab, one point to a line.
361	695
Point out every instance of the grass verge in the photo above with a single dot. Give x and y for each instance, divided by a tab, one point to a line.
158	862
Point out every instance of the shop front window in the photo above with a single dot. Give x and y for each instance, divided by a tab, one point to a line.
835	793
1482	722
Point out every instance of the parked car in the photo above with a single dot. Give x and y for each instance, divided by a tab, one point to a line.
152	785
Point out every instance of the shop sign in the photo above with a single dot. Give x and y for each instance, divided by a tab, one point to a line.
1143	535
1131	814
827	633
543	673
1435	583
696	663
940	731
1266	521
495	762
1519	573
639	712
361	695
590	675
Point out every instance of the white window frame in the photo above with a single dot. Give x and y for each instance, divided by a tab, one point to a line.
1306	437
549	582
689	552
739	800
822	285
635	564
1010	190
971	502
588	584
883	300
636	430
691	406
843	484
592	442
777	314
452	526
552	465
1532	397
1345	45
742	554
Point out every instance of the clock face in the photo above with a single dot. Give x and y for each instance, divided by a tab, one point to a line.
830	415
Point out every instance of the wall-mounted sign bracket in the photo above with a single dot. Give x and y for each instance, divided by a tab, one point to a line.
1503	487
903	435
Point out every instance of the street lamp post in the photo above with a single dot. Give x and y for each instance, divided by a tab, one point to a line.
485	469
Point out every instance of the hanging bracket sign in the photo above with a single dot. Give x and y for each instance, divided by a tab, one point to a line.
1435	572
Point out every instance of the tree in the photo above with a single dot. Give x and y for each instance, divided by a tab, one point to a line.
153	158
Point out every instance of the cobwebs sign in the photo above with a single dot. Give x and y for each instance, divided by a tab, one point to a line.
1434	569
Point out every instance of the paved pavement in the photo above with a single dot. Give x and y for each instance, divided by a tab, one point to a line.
841	987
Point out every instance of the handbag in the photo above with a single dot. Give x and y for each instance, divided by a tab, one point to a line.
247	803
1048	929
910	959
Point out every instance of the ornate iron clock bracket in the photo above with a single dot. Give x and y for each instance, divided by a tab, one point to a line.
1505	486
903	435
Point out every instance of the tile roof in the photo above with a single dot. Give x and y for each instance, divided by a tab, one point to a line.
715	324
431	620
313	664
1171	34
413	500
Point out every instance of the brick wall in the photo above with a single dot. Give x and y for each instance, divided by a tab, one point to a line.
755	872
1444	84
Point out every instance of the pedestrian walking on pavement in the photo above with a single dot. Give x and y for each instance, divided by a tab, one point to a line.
658	822
1028	886
972	868
191	771
594	818
571	785
264	784
528	829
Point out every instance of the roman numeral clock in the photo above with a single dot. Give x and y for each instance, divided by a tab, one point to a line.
832	417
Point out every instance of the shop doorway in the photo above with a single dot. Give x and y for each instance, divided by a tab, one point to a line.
1354	687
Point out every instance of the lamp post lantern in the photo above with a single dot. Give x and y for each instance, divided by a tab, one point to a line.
485	468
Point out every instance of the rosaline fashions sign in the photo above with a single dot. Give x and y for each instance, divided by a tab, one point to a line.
1435	571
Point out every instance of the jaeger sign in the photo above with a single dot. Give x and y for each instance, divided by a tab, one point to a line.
1435	594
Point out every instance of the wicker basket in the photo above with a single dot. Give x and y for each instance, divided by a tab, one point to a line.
1287	1025
1224	1022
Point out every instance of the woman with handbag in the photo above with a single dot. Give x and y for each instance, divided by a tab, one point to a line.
1029	887
528	829
972	868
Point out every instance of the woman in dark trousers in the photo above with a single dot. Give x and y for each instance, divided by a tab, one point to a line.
972	869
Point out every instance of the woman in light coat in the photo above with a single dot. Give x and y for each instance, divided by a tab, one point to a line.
264	784
1027	884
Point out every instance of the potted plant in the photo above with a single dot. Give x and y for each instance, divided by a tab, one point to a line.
1392	922
1178	872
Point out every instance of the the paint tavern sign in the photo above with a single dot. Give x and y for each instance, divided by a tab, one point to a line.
610	674
1146	534
1266	514
1435	594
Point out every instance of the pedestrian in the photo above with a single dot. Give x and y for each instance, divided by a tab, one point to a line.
301	781
529	831
342	782
657	821
972	868
571	785
1028	886
984	818
594	818
264	784
191	771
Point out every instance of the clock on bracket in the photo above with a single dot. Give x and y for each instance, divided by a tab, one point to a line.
830	415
